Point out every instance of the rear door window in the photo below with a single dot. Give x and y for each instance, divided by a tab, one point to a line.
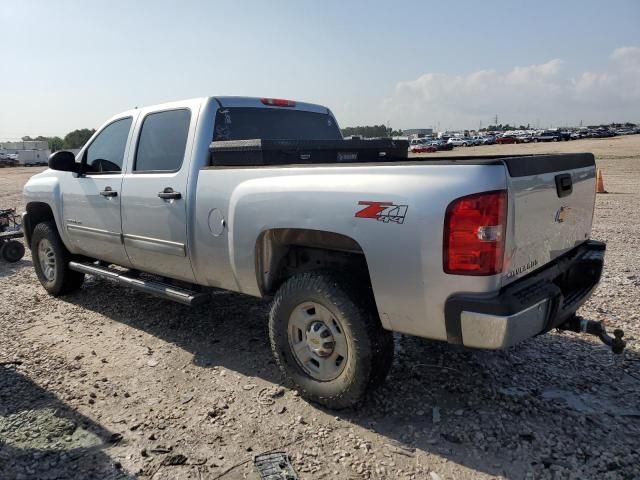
162	141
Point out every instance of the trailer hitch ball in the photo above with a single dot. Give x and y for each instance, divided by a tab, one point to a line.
593	327
618	344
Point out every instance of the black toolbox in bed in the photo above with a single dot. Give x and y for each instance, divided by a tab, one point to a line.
258	152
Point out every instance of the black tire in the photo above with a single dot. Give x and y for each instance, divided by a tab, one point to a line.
12	251
370	347
62	280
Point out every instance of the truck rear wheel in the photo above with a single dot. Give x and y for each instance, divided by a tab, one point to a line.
327	340
51	261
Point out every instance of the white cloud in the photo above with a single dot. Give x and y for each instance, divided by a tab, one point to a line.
535	74
525	94
627	57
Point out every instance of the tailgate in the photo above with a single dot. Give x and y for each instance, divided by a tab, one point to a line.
550	210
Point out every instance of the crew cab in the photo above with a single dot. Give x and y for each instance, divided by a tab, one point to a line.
350	239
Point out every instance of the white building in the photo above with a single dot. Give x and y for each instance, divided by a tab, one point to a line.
33	157
418	132
32	152
28	145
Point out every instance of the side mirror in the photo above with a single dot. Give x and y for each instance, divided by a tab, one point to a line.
63	161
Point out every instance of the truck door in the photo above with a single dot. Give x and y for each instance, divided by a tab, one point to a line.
154	195
91	202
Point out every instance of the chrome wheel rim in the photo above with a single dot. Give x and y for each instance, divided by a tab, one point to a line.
317	341
47	258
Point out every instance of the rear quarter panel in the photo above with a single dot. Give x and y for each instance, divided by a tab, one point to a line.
404	259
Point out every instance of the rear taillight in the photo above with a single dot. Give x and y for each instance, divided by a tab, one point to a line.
278	102
474	231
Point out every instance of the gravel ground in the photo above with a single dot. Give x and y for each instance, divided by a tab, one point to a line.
108	383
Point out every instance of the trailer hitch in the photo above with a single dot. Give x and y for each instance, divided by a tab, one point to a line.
581	325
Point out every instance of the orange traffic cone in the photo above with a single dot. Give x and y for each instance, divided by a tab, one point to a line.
600	182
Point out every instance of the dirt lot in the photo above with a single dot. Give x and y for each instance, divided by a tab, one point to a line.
109	383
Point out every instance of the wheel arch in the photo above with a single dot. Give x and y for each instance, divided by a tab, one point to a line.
36	212
283	252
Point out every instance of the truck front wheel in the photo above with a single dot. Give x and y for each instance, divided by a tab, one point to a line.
51	261
328	340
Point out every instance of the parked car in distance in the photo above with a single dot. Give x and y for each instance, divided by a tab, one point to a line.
488	140
584	133
459	141
551	136
505	139
419	144
524	138
442	145
8	160
605	133
422	147
623	131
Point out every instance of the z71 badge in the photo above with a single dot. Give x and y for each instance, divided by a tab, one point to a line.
383	211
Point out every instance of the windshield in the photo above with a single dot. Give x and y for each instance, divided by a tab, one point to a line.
243	123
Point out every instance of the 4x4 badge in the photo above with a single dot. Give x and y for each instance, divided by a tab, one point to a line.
383	211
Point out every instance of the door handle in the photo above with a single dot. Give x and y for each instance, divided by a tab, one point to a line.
169	194
107	192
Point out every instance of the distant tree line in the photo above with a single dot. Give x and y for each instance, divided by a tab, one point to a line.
75	139
371	131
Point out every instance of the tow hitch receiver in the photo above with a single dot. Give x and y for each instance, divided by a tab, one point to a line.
593	327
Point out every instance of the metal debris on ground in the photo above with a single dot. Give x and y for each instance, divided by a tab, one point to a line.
274	466
177	459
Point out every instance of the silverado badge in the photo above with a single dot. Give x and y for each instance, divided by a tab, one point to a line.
522	268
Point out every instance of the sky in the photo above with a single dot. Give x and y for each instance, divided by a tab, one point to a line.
411	64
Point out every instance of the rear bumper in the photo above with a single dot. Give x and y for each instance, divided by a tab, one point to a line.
534	304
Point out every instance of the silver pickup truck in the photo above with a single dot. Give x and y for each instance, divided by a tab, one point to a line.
351	239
